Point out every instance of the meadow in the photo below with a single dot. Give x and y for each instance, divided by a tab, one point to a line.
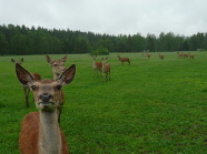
150	106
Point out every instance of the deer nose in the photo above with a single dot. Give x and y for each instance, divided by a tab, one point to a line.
45	97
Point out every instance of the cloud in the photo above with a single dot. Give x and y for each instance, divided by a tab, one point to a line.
106	16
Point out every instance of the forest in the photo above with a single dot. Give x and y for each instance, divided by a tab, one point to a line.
15	39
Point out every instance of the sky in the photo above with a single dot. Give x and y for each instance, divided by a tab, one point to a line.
184	17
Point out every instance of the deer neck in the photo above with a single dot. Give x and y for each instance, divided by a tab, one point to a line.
56	74
49	133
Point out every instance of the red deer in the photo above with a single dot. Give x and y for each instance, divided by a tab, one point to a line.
26	89
40	132
123	59
106	68
161	56
97	66
58	66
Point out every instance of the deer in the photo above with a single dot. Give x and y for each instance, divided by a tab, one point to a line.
26	89
185	55
106	68
40	131
181	55
148	55
123	59
161	56
96	65
58	67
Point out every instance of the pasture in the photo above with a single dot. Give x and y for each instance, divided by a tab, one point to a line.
149	106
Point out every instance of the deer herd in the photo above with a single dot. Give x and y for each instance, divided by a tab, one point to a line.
40	131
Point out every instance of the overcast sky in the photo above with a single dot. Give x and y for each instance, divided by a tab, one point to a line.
109	16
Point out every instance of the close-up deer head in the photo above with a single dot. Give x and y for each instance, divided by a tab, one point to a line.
46	92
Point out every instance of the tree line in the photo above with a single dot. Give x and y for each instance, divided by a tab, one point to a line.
15	39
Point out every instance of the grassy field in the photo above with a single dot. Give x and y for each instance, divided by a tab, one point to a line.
150	106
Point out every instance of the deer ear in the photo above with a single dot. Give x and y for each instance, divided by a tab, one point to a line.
67	76
23	75
48	59
12	60
64	59
22	60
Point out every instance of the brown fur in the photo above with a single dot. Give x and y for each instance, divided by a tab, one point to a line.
28	141
36	76
124	59
98	66
106	68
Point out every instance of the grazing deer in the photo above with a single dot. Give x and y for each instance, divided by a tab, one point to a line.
26	89
58	66
97	66
161	56
40	132
106	68
123	59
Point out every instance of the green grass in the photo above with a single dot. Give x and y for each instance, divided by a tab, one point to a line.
150	106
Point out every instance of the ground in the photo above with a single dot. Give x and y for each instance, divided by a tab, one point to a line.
150	106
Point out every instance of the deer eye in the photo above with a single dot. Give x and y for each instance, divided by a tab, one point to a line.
58	87
34	87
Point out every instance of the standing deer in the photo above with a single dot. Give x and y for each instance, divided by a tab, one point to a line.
123	59
97	66
58	67
26	89
106	68
40	132
161	56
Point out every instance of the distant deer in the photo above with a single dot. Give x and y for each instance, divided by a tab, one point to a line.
161	56
181	55
106	68
26	89
40	132
123	59
148	55
58	66
191	56
185	55
96	65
